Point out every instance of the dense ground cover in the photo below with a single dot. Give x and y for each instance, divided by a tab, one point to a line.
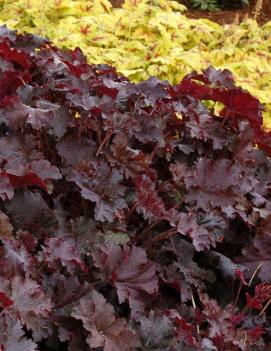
131	216
145	38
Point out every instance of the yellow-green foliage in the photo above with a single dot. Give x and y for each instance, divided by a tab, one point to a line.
146	38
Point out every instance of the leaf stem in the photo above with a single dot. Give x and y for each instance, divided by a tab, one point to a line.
165	235
105	140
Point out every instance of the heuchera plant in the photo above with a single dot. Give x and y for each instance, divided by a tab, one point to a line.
131	216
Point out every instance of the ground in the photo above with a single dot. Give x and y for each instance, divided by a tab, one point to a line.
229	16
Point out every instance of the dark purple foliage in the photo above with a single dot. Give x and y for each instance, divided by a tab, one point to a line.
131	216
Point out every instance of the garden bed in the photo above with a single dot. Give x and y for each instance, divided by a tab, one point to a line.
227	16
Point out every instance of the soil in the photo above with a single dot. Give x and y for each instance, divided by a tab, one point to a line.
227	16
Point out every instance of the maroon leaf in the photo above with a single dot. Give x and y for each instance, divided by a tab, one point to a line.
29	179
5	300
213	183
9	82
9	54
238	103
132	274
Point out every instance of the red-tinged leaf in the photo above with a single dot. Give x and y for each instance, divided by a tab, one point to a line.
263	292
9	82
219	320
77	70
186	331
63	289
147	200
29	179
263	140
8	101
256	332
130	271
9	54
5	300
240	275
104	329
62	251
253	302
41	116
238	103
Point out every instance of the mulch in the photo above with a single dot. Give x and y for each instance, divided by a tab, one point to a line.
226	17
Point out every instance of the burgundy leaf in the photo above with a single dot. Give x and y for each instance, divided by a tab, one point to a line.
29	179
9	82
238	103
212	183
5	300
9	54
132	274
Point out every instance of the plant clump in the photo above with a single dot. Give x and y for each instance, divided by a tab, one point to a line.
147	38
132	217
